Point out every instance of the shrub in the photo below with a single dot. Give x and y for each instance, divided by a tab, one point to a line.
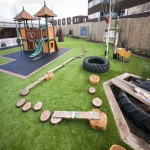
143	53
132	49
137	51
144	71
148	54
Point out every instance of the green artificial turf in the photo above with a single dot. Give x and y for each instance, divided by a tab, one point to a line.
67	91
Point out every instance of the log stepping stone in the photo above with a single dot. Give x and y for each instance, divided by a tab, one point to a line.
45	116
38	106
99	124
21	102
26	107
49	76
94	79
92	90
55	121
116	147
97	102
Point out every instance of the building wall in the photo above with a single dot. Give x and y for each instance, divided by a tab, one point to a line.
125	4
136	30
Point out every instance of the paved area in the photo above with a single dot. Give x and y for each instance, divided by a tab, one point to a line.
23	66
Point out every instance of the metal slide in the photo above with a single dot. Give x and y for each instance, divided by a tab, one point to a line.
38	49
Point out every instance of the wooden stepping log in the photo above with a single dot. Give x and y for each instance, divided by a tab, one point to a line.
49	76
92	90
45	116
21	102
76	115
97	102
101	123
26	107
38	106
55	121
94	79
116	147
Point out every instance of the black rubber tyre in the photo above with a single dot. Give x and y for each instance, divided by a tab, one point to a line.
138	116
96	64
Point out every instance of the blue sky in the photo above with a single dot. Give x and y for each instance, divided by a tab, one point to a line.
62	8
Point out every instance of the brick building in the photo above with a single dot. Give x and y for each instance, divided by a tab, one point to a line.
123	8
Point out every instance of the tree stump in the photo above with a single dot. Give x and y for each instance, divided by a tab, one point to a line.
26	107
97	102
38	106
55	121
101	123
116	147
21	102
49	76
45	116
94	79
92	90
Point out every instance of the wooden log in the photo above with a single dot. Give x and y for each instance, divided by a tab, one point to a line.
101	123
26	107
38	106
116	147
24	92
92	90
45	116
55	121
97	102
21	102
49	76
94	79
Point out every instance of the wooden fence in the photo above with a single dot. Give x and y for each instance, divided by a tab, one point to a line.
137	31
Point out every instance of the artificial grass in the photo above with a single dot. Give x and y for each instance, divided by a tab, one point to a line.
66	91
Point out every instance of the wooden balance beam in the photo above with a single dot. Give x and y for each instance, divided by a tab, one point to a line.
97	119
49	75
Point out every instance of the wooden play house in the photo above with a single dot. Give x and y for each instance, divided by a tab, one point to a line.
41	39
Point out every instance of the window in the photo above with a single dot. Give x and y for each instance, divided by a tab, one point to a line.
97	2
77	19
84	19
89	17
91	4
147	7
68	20
74	19
117	1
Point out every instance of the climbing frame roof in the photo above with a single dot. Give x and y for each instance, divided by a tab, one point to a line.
23	15
45	12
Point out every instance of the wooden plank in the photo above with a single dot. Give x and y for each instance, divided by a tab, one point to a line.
129	88
76	115
136	142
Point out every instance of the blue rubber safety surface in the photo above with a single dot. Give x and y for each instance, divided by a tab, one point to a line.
24	65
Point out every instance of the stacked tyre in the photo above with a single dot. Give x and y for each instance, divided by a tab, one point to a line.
138	116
